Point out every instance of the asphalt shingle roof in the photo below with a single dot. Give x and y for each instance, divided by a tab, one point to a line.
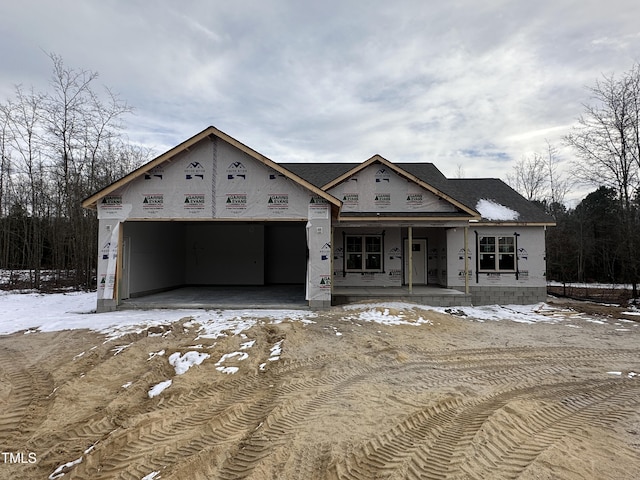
468	191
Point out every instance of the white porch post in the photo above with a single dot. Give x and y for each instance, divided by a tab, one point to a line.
410	266
466	260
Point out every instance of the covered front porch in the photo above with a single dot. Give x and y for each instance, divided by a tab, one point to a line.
423	294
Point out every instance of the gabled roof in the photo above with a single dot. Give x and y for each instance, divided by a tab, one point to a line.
91	202
430	177
466	191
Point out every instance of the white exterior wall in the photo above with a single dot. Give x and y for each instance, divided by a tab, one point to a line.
529	286
531	257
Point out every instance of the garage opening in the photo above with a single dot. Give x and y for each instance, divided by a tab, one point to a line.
213	264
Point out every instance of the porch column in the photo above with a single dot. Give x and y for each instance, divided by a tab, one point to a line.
466	260
410	266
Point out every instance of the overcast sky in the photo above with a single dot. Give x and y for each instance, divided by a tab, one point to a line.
465	84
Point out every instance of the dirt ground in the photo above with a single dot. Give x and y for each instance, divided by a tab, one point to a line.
347	399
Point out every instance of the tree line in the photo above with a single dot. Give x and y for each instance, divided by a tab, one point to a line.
56	148
59	146
599	239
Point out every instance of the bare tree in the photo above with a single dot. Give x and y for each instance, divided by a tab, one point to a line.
530	177
607	143
57	147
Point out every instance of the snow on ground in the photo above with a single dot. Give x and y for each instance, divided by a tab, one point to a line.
515	313
159	388
184	362
62	469
31	312
387	313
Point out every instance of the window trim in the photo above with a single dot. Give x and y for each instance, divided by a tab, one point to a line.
363	252
497	253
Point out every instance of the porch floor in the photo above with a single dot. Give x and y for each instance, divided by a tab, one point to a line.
424	294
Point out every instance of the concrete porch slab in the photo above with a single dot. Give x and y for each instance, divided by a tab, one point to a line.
422	294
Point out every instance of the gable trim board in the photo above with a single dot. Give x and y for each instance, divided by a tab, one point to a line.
362	201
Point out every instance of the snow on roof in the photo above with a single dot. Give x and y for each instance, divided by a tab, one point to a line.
494	211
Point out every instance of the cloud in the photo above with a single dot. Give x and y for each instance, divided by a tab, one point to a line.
473	83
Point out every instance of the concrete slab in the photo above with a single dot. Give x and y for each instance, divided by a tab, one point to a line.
228	297
422	294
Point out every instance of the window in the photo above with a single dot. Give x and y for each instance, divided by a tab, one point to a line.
497	253
363	253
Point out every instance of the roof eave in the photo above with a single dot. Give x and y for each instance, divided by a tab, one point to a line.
489	223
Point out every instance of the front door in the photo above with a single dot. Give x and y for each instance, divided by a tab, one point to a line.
419	261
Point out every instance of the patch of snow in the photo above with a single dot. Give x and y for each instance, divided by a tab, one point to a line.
614	373
127	385
182	363
276	350
516	313
381	313
150	476
494	211
159	388
227	356
119	349
631	313
62	469
155	354
90	449
248	344
228	370
53	312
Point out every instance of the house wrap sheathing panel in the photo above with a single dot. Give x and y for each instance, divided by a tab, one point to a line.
214	180
377	188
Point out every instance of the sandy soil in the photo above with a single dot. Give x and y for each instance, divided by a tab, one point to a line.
347	399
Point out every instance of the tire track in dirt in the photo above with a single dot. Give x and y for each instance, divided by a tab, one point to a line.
436	443
214	421
516	442
30	390
228	428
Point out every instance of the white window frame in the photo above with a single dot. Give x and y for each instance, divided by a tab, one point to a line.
503	246
364	254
